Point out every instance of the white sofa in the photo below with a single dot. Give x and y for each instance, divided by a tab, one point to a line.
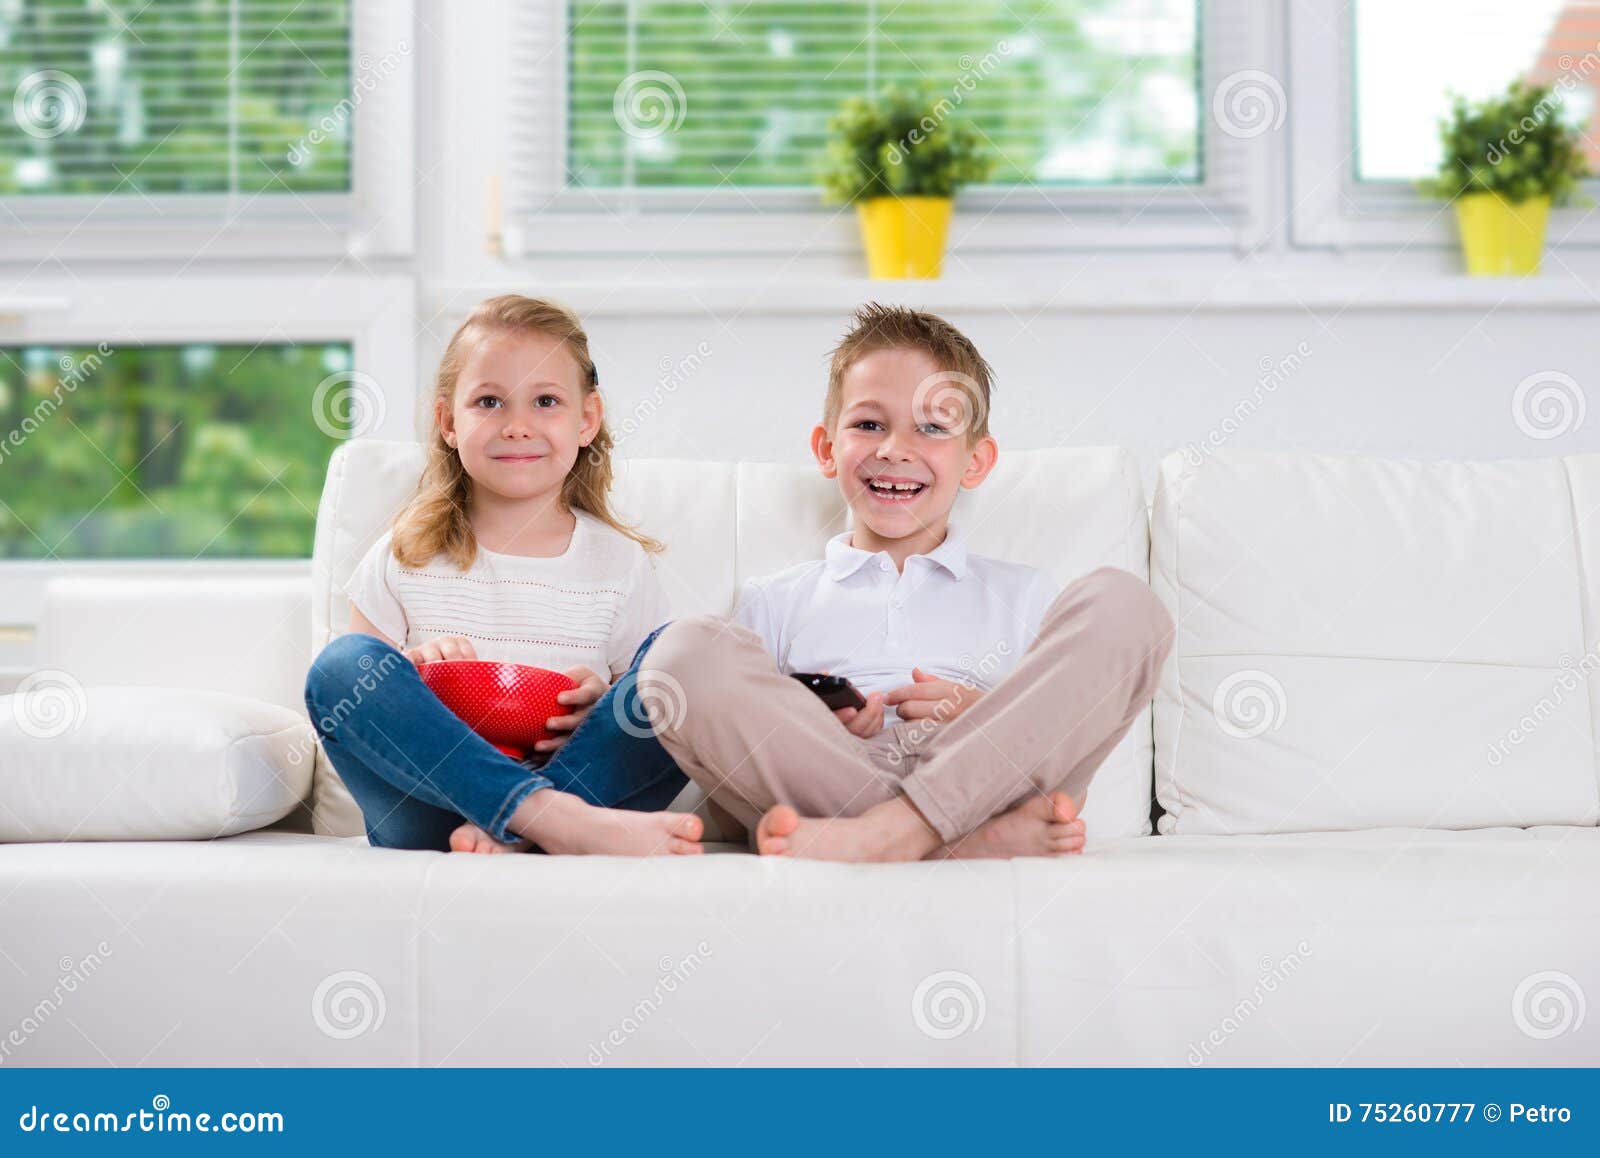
1378	845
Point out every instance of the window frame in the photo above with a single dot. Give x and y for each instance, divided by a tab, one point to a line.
547	218
376	315
1332	208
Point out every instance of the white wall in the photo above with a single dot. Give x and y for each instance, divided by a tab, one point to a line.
1154	351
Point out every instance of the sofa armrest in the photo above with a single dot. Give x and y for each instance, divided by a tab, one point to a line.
244	636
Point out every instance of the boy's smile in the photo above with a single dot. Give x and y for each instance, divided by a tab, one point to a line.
900	461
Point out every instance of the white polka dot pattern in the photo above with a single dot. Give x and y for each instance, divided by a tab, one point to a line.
507	704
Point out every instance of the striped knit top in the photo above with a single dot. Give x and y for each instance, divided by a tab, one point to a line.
592	605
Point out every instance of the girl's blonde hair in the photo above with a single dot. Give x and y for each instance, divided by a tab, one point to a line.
435	520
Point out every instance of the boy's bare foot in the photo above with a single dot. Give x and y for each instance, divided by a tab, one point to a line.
1039	826
470	838
562	824
893	830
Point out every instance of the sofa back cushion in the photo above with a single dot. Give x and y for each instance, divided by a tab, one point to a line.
1066	511
1366	643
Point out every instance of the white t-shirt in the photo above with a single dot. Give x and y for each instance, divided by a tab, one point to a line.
957	616
592	606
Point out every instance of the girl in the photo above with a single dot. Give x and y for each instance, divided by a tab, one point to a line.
507	551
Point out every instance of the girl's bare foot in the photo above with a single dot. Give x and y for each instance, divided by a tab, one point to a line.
1040	826
562	824
893	830
470	838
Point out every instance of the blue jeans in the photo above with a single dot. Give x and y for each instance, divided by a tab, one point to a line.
417	770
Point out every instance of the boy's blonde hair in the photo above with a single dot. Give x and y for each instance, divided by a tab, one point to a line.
435	520
875	326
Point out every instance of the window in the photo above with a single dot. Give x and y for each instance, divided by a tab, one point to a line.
1373	80
693	131
205	128
1473	48
193	451
175	96
1086	92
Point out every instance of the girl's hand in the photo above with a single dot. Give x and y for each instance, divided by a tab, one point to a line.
445	647
929	696
863	722
580	699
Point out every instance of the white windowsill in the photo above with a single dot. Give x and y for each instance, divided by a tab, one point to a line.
1353	290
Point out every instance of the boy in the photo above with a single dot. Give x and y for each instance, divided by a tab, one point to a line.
933	765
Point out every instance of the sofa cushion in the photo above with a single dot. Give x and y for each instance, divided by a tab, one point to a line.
1385	948
120	763
1367	642
241	634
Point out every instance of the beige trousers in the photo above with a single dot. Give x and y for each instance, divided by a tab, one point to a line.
751	737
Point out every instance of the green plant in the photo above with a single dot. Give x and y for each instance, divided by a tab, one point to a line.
1515	145
903	144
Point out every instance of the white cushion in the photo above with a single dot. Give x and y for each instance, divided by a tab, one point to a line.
239	634
1434	948
118	763
1066	511
1366	642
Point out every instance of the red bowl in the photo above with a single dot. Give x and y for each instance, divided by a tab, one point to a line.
508	704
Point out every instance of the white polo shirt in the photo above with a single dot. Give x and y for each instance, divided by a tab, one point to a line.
958	616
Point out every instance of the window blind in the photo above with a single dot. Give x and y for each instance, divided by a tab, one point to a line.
669	93
175	97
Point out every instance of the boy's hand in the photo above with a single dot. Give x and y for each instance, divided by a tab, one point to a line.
445	647
580	699
929	696
863	722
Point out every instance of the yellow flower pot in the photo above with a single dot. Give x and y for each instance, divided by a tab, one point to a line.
1500	237
904	236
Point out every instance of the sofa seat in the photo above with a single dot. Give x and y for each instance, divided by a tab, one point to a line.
1378	947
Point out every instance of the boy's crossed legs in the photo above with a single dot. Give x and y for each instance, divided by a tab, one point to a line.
998	779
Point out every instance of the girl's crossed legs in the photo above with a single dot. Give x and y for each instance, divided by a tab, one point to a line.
417	770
